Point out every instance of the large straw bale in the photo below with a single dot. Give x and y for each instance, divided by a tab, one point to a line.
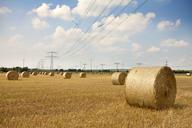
153	87
82	75
12	75
67	75
25	74
118	78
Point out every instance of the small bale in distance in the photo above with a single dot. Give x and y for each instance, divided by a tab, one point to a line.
82	75
25	74
12	75
188	74
34	73
51	74
118	78
46	73
153	87
67	75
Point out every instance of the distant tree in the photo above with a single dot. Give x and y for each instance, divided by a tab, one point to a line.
3	69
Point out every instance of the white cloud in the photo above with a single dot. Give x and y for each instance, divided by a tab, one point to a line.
83	7
168	25
62	38
136	47
5	10
174	43
39	24
62	12
131	25
153	49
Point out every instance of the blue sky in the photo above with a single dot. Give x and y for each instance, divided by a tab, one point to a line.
159	31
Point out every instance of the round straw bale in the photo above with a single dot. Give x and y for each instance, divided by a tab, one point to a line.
12	75
51	74
61	73
82	75
67	75
153	87
46	73
34	73
188	74
25	74
118	78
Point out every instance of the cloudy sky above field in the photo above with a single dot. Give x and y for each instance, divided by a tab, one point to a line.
102	31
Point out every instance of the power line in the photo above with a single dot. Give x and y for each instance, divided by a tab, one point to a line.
109	32
87	12
120	3
51	56
89	27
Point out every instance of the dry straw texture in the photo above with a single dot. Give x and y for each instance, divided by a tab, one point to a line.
25	74
67	75
34	73
12	75
118	78
51	74
153	87
82	75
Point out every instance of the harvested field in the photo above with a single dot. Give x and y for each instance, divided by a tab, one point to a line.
48	102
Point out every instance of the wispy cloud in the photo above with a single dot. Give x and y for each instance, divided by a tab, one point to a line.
168	25
153	49
5	10
174	43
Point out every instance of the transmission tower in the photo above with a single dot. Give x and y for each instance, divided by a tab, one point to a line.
42	63
102	65
84	66
117	66
23	60
91	65
51	56
166	62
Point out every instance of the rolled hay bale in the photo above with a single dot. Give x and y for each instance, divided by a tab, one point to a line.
34	73
12	75
188	74
153	87
118	78
67	75
46	73
61	73
82	75
25	74
51	74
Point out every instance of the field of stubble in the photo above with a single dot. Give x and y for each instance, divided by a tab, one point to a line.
54	102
